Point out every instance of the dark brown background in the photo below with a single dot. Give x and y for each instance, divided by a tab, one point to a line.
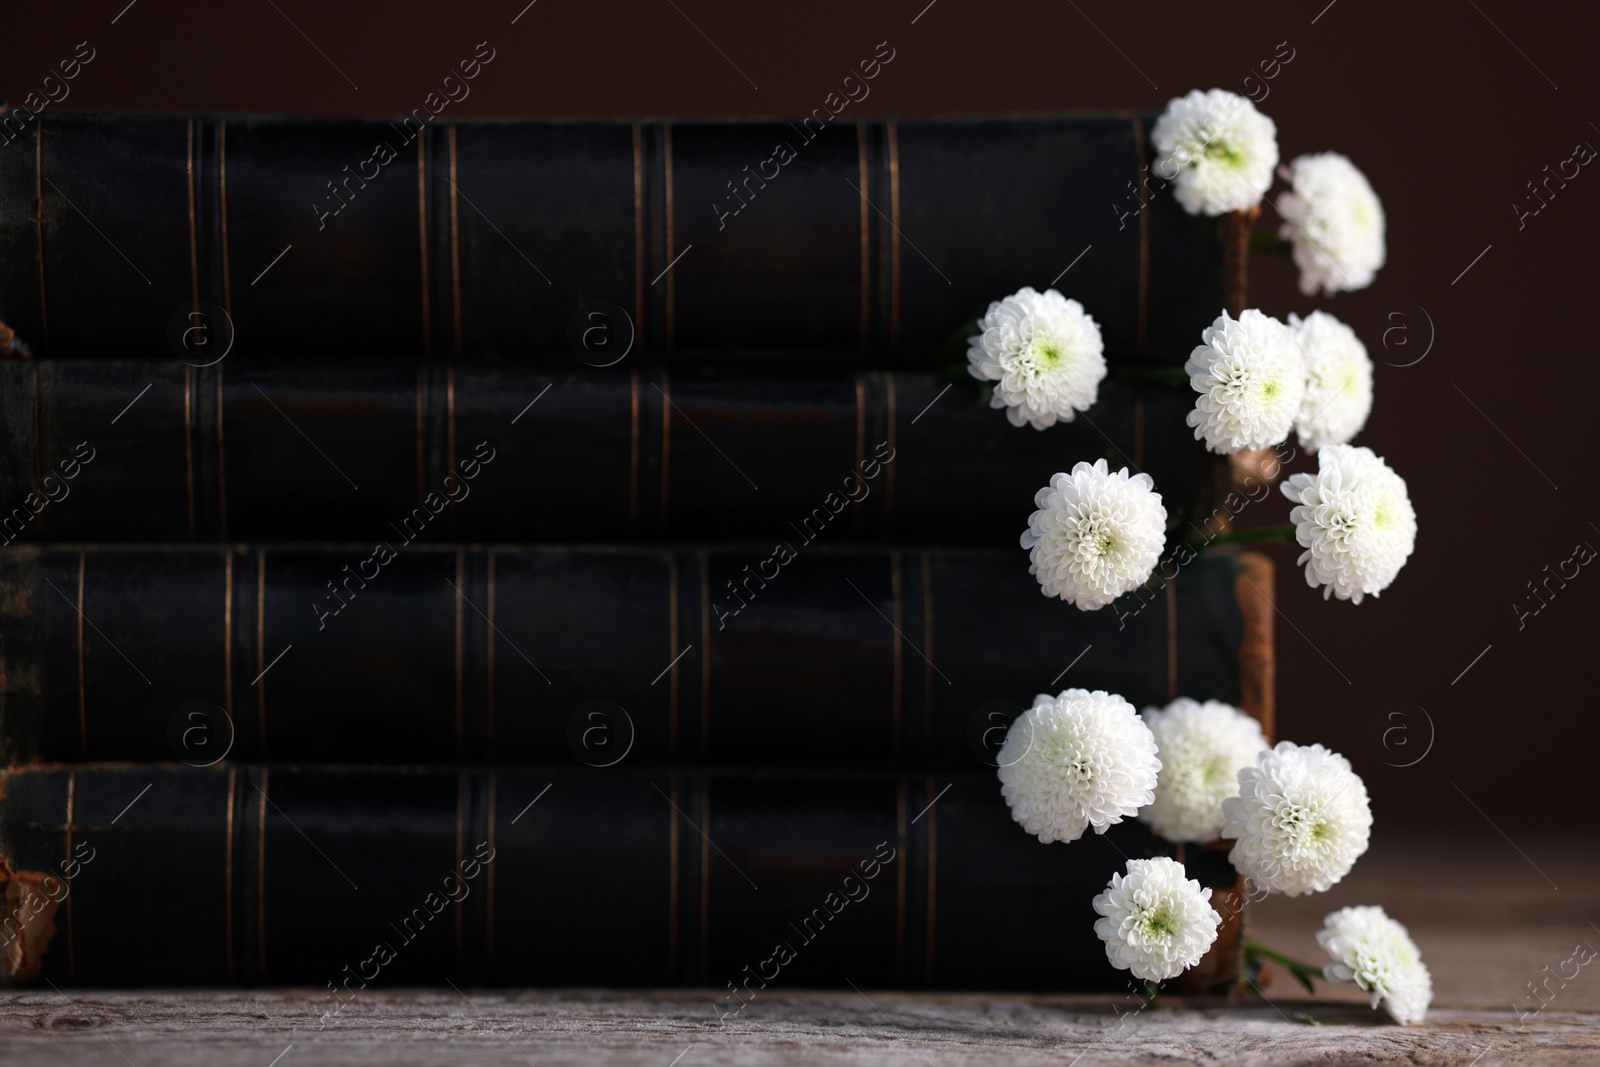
1446	115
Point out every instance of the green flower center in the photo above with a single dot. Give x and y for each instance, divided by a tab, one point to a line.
1160	923
1046	354
1223	152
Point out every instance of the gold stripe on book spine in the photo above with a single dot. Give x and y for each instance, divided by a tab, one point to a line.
927	654
227	632
422	240
188	440
455	246
461	835
894	239
38	224
665	389
461	566
672	654
866	272
450	430
672	290
261	877
633	450
227	871
900	881
488	921
705	655
72	955
261	646
194	247
638	230
894	587
222	467
672	883
933	881
888	474
222	194
705	876
488	636
83	705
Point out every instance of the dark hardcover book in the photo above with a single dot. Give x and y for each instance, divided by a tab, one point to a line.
768	654
156	236
749	882
157	451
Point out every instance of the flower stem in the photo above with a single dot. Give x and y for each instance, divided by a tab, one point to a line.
1268	243
1301	971
1151	990
1260	533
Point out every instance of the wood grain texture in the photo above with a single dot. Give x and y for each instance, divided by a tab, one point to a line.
582	1027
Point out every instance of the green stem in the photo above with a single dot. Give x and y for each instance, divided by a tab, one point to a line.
1270	244
1151	991
1259	533
1302	971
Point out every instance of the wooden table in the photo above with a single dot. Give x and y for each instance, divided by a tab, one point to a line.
1490	917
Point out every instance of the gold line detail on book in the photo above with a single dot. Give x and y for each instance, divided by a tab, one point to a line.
38	225
72	954
227	634
488	941
866	274
222	194
633	451
666	142
888	484
894	587
461	566
894	238
488	636
666	441
188	440
222	466
227	868
638	229
900	881
672	883
705	654
933	884
83	706
261	877
455	245
672	645
422	232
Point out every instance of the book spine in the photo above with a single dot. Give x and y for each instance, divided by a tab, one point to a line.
784	654
158	451
749	882
165	236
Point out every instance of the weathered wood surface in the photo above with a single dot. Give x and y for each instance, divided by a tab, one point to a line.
872	1027
1488	921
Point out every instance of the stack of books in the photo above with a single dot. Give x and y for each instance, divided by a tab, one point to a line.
571	552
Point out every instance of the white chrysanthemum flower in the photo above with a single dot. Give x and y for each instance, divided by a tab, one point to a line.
1354	520
1044	354
1096	535
1217	149
1300	821
1338	381
1077	760
1157	923
1334	221
1251	379
1203	747
1367	947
